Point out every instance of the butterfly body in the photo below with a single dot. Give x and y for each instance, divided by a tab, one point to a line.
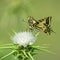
43	24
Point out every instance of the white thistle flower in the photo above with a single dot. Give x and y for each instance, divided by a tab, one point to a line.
23	38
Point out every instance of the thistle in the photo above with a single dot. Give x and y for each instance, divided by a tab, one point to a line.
22	46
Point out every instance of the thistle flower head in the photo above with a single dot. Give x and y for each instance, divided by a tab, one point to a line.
23	38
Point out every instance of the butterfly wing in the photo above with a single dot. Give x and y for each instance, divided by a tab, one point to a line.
48	20
48	25
31	22
44	24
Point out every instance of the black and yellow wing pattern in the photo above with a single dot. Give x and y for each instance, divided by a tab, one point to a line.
42	24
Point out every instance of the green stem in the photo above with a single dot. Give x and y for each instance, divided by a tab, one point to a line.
45	50
9	47
30	55
23	57
18	55
6	47
7	55
24	53
7	44
38	47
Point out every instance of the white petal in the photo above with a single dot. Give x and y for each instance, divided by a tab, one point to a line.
23	38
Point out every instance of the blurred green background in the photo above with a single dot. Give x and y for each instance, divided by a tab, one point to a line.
12	14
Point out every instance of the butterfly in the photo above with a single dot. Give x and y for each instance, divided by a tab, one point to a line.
42	24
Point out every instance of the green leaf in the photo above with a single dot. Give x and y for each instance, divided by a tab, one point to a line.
7	55
45	50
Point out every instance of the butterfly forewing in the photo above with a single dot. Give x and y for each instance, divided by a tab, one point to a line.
32	23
